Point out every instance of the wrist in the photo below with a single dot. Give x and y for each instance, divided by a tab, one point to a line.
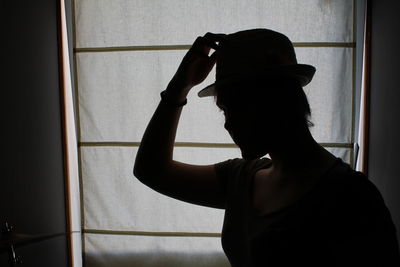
176	92
172	100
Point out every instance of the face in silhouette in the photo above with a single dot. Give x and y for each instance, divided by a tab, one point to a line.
251	120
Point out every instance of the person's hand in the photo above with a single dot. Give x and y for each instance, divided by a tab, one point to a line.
196	65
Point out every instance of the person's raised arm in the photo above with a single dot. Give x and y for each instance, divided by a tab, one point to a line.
154	165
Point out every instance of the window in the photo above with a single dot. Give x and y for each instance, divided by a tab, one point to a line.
125	54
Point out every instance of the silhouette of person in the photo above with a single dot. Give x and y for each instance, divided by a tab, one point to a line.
301	207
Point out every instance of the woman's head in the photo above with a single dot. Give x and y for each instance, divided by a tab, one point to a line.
263	112
258	85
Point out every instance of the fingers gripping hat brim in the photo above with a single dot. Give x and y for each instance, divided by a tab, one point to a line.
301	72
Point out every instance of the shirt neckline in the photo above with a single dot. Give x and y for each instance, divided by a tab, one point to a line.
279	211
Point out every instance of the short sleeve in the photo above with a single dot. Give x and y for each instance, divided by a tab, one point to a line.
225	171
234	173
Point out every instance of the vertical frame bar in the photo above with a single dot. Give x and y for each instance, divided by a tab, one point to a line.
367	86
69	141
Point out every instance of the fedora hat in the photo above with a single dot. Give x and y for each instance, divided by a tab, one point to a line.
257	53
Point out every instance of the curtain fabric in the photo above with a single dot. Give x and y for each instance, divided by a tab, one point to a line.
125	54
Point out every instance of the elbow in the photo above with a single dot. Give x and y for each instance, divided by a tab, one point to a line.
144	172
137	168
143	166
148	171
138	171
146	176
141	175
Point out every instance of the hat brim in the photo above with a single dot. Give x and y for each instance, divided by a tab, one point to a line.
301	72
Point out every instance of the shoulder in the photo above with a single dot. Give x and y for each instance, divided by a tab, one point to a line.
347	182
239	162
234	172
362	223
238	166
355	187
350	186
368	203
355	201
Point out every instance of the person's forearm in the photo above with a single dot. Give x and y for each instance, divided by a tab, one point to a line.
155	151
156	148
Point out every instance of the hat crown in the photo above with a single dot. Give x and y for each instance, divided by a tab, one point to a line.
253	51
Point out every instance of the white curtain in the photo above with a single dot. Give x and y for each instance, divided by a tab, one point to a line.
126	51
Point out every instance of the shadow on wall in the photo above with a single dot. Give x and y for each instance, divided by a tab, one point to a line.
166	259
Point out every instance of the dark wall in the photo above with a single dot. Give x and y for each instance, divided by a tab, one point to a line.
384	159
32	189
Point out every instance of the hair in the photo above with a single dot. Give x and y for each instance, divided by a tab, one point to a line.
284	95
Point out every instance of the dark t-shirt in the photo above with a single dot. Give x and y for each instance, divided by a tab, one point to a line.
342	221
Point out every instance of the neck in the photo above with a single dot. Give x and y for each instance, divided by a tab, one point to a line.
300	154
